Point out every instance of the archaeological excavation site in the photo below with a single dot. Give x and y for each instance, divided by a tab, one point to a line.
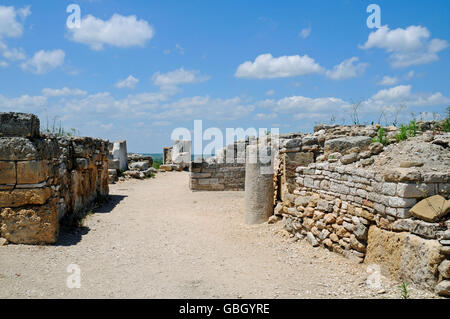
357	200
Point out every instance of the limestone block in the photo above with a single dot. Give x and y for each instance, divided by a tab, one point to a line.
7	172
39	225
139	166
19	124
345	143
32	172
404	256
443	288
120	153
20	148
431	209
399	174
444	269
415	190
22	197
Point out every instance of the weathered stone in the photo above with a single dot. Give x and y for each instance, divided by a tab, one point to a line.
120	153
3	242
312	240
401	202
418	227
334	237
139	166
431	209
273	219
443	288
376	148
349	158
32	172
259	188
405	256
328	243
302	201
325	206
7	172
444	269
355	244
346	143
408	164
278	209
402	175
415	190
360	231
166	167
21	148
23	197
19	124
30	226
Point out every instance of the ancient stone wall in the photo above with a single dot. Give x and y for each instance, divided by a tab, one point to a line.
387	208
217	177
46	179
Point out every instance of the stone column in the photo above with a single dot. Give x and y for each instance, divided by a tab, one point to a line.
258	185
120	153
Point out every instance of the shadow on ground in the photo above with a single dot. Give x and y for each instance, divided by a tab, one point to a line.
69	236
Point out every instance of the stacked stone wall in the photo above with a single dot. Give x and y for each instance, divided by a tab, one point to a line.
46	179
217	177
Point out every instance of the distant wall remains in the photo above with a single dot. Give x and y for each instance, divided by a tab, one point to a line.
46	179
217	177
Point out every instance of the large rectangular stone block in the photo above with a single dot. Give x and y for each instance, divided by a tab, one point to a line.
32	172
404	256
23	197
19	124
7	172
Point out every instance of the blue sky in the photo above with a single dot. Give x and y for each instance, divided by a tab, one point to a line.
136	70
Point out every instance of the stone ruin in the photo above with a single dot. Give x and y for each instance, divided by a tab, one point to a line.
177	157
336	188
45	179
341	190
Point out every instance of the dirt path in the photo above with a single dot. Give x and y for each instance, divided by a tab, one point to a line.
157	239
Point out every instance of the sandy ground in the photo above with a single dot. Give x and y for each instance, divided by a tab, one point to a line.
157	239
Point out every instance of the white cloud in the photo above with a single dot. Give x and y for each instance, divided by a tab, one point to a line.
205	107
14	54
44	61
265	116
179	76
130	82
3	64
410	46
393	94
304	33
347	69
63	92
11	26
270	92
22	103
388	80
266	66
302	104
119	31
403	95
11	21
